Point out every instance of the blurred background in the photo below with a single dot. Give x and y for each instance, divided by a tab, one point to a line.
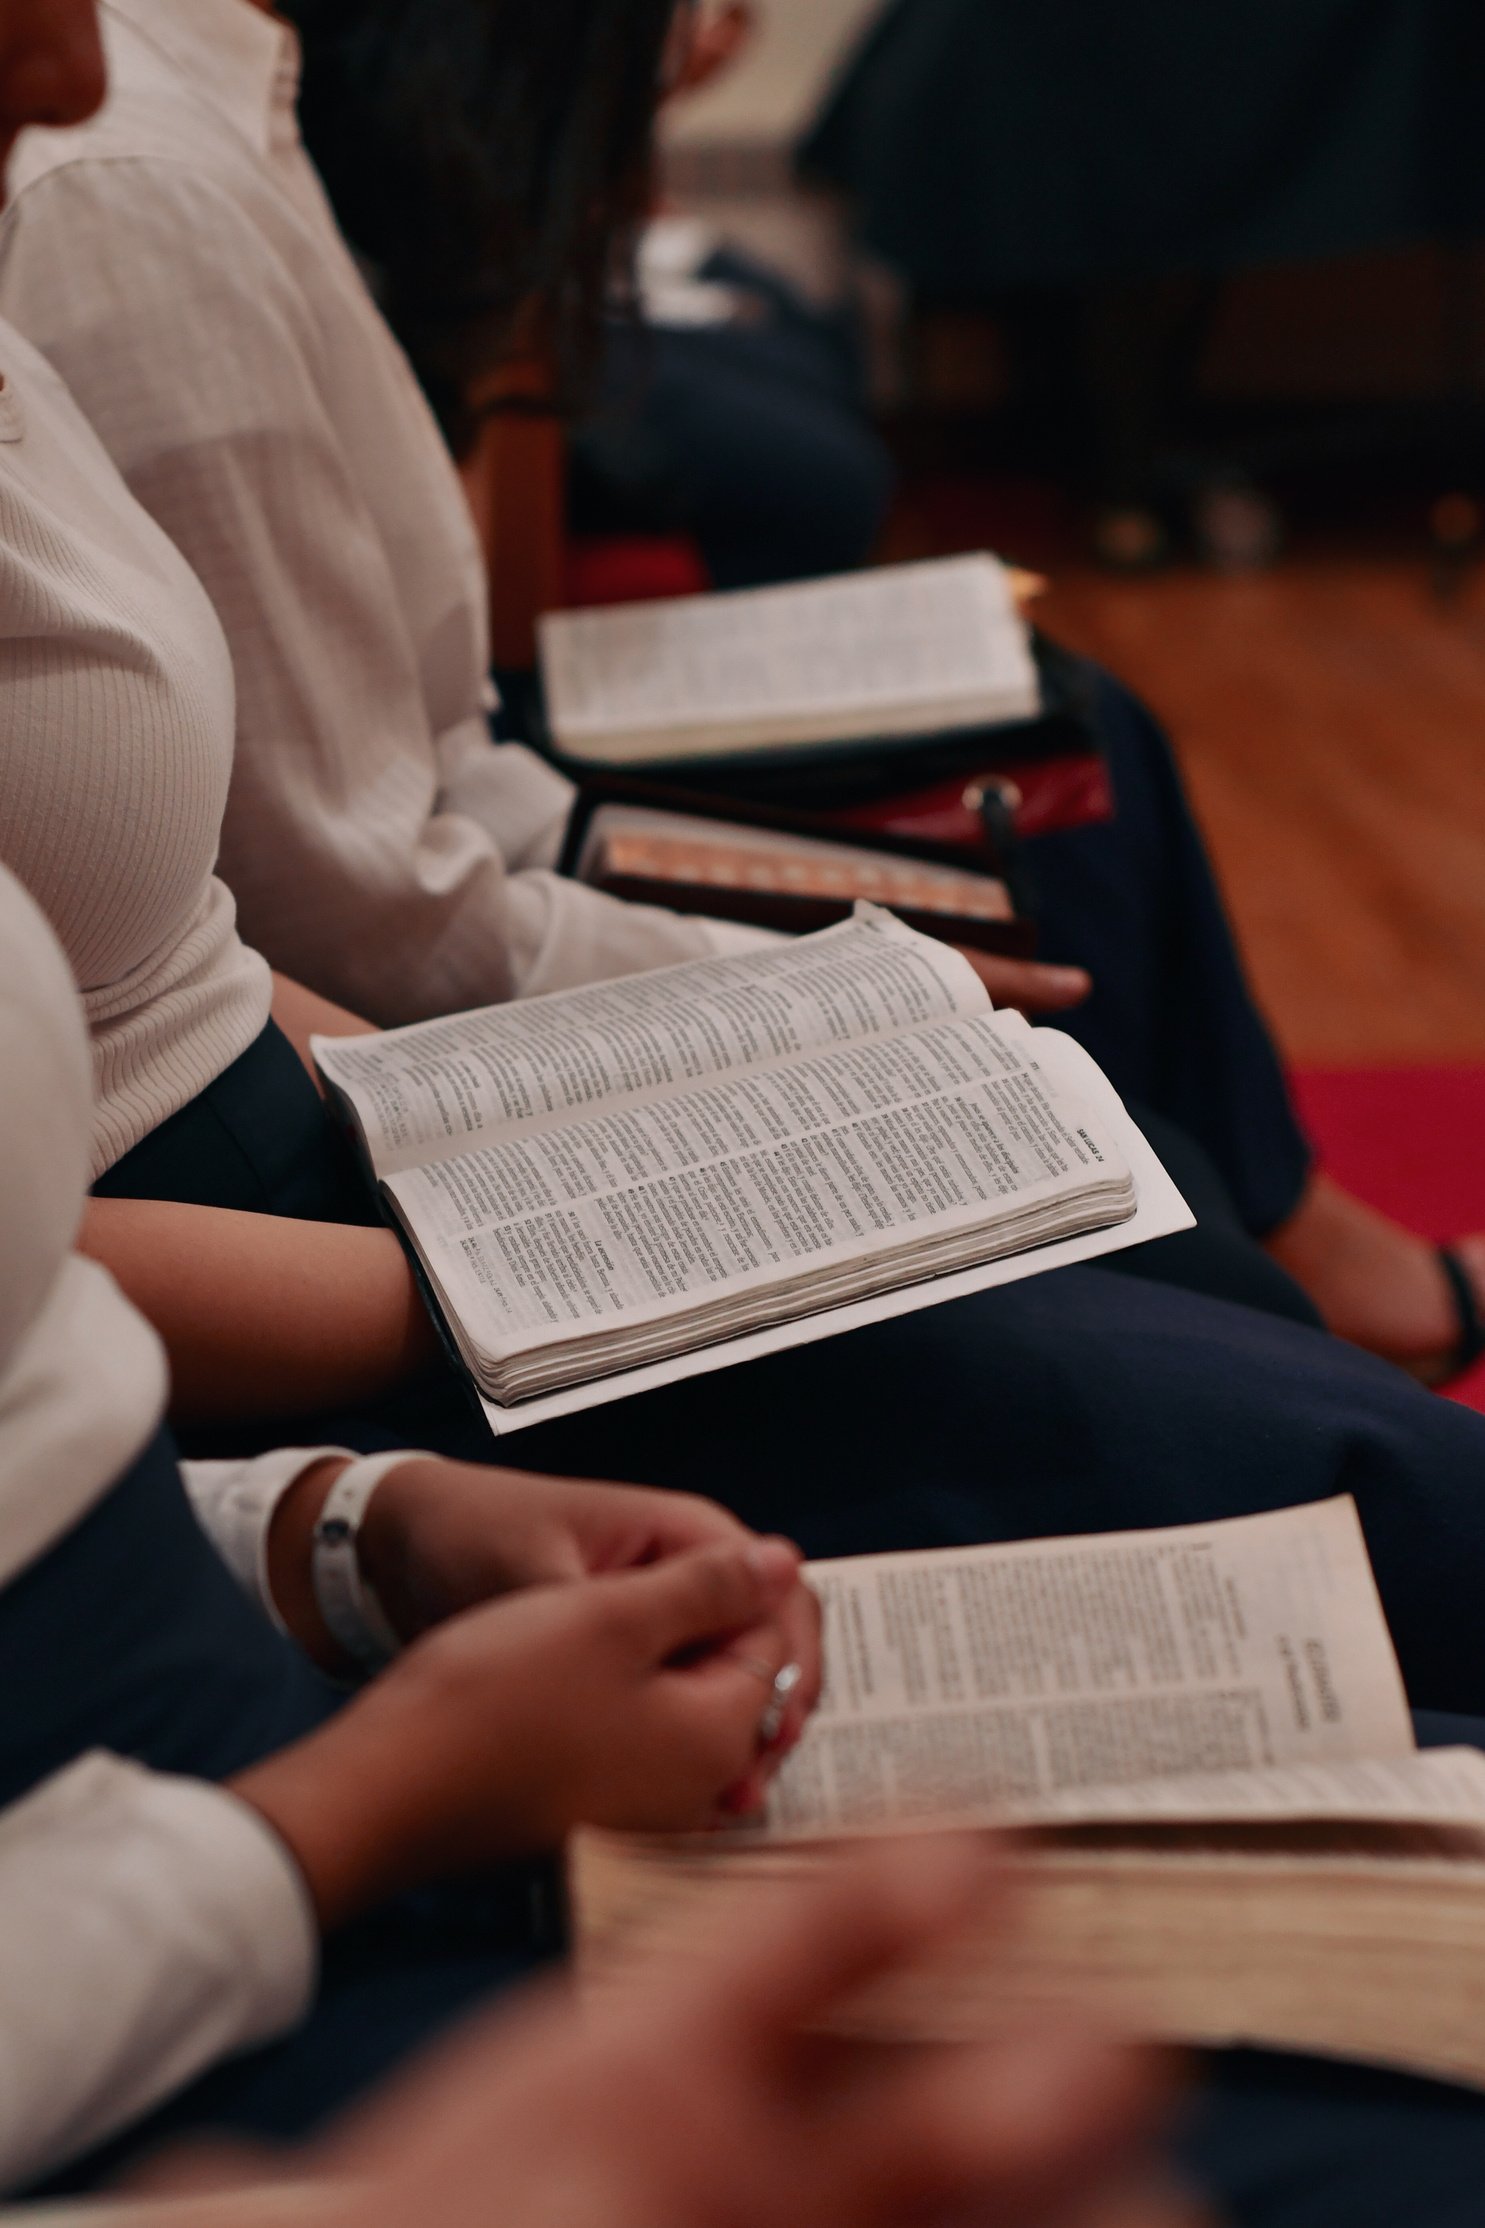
1184	307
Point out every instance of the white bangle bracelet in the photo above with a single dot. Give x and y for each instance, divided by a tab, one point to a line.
354	1618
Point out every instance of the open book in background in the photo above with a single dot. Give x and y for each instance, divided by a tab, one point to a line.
905	650
1204	1732
611	1187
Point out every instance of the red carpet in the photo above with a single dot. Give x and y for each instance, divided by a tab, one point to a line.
1412	1141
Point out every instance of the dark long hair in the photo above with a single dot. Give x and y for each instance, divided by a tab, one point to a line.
491	160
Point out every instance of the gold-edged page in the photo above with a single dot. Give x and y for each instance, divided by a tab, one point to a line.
896	650
1365	1942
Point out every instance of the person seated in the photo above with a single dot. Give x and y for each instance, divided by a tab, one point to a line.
184	1774
1077	1406
227	1205
179	266
378	846
176	1759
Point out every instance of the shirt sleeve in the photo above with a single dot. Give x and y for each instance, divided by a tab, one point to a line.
149	1926
234	1504
349	842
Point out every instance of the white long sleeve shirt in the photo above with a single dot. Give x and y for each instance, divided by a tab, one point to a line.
116	708
178	263
149	1925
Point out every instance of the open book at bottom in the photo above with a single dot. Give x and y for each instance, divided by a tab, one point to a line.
1227	1831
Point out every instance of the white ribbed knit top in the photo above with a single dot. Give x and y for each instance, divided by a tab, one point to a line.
177	262
148	1924
116	709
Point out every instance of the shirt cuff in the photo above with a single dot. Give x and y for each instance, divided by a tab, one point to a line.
149	1926
561	934
234	1504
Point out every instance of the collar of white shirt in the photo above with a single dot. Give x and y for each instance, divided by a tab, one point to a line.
242	60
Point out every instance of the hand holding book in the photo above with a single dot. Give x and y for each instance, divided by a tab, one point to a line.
1028	986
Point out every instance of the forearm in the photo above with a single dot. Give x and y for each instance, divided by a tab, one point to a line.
359	1803
261	1315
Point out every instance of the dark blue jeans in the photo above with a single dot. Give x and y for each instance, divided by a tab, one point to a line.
1172	1021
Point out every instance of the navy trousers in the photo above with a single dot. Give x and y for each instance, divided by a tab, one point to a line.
1172	1021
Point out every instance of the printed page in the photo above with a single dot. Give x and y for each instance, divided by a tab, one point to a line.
798	1167
423	1093
1160	1212
1012	1675
904	649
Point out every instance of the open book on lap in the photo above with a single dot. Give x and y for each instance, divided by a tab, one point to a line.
1231	1836
869	657
612	1186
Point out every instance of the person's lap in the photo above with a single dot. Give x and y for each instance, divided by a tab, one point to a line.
1074	1401
1172	1019
1071	1403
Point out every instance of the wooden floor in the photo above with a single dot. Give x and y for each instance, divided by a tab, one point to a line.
1330	716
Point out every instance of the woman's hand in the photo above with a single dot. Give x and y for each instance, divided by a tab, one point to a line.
701	2092
631	1700
1029	985
440	1537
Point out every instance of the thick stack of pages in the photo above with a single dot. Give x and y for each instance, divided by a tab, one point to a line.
607	1179
1230	1835
905	650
